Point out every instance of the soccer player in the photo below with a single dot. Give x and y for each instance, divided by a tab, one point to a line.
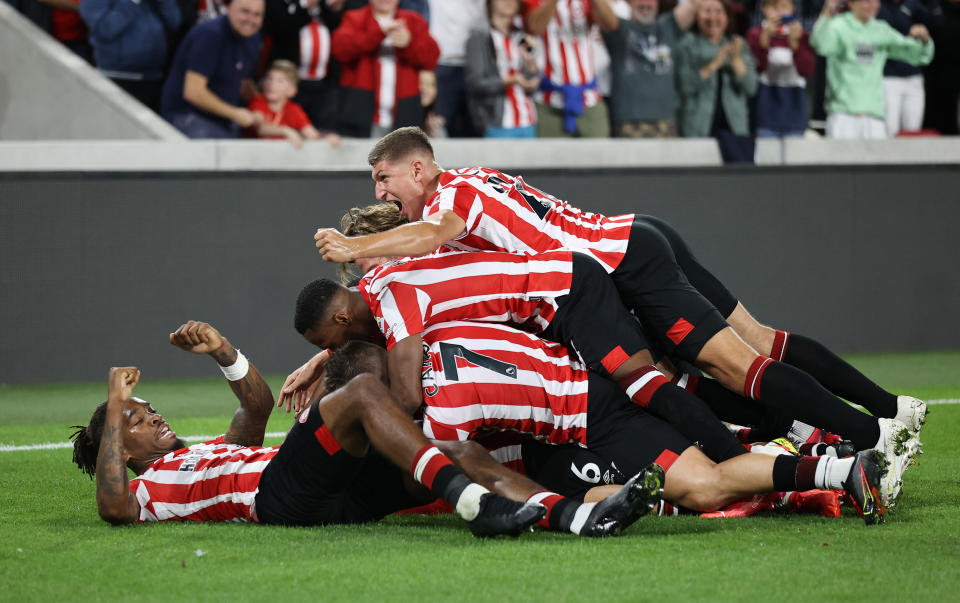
766	423
325	472
555	293
477	377
482	209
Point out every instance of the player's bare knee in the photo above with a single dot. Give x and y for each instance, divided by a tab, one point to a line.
637	361
697	487
710	493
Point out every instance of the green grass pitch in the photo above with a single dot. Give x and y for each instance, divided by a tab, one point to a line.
53	547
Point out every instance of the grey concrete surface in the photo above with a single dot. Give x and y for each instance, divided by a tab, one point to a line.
97	268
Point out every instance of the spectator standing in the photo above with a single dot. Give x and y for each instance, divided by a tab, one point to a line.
450	25
381	49
203	89
903	88
785	60
68	28
129	39
857	45
943	74
643	100
300	33
501	74
568	103
715	76
283	118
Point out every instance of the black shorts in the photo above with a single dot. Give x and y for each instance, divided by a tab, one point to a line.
623	440
653	285
312	481
568	469
593	321
702	279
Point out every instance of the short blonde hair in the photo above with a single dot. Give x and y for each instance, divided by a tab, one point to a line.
367	220
287	68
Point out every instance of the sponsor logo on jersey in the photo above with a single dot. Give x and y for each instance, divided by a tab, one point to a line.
386	329
427	377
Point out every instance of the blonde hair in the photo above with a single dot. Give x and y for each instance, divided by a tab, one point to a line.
287	68
367	220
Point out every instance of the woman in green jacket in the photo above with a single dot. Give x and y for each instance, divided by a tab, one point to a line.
715	75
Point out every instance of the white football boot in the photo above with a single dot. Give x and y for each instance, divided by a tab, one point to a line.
899	448
912	412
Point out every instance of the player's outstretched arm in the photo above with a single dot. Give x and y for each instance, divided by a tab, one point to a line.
115	503
256	400
405	365
302	385
413	239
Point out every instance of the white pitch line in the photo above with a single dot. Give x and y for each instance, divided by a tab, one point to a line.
275	434
55	445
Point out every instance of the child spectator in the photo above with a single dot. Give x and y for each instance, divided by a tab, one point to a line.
283	118
300	32
857	45
784	61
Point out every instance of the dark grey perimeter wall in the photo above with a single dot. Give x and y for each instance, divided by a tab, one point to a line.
98	268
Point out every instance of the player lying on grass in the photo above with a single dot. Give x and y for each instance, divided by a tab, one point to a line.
478	377
483	209
338	464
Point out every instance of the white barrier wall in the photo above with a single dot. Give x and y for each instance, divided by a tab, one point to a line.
351	155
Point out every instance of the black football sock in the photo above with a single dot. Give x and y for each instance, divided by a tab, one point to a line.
689	415
563	514
434	470
766	422
837	375
801	396
798	473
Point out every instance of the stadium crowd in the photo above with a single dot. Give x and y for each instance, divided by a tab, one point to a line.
309	69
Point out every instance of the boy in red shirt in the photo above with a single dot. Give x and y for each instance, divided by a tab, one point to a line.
283	118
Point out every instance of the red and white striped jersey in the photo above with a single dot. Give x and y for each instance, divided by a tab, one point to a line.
504	213
518	109
212	481
567	56
314	51
482	376
409	294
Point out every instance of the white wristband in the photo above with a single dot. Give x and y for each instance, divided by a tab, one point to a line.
238	370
